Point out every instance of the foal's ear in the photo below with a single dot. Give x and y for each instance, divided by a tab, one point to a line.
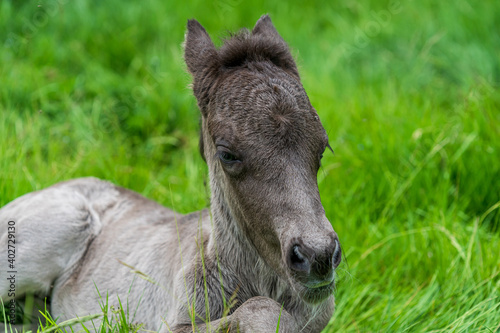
199	51
202	60
265	27
278	51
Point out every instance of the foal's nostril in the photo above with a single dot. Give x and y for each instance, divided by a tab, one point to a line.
315	267
299	260
337	255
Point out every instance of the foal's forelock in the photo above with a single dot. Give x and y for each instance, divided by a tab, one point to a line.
262	44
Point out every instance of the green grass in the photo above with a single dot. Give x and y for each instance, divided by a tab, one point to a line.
411	106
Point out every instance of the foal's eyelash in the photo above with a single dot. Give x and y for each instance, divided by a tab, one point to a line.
329	147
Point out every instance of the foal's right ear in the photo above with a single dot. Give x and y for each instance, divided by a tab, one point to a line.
199	51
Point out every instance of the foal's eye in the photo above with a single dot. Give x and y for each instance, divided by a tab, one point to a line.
227	157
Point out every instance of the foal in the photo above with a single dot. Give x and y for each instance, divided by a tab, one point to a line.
264	254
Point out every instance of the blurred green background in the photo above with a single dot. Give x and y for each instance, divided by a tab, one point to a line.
408	92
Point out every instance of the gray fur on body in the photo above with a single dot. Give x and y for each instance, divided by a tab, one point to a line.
73	236
86	233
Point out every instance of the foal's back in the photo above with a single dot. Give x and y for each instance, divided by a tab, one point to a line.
87	235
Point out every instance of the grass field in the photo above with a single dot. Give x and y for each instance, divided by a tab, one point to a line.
409	92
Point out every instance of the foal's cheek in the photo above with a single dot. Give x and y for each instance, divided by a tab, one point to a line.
258	210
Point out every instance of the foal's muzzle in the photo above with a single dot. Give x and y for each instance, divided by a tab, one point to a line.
313	267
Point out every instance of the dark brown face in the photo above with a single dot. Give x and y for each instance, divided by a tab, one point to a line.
263	143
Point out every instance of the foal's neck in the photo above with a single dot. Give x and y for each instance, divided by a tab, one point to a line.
246	272
230	244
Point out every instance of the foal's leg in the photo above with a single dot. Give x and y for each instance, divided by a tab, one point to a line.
47	232
257	315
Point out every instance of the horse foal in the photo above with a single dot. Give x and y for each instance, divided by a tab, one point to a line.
265	252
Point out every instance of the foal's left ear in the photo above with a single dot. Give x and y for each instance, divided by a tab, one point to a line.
274	45
265	27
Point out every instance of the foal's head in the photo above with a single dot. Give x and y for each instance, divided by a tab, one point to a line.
263	143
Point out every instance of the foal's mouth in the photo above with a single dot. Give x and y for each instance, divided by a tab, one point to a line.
319	292
319	283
